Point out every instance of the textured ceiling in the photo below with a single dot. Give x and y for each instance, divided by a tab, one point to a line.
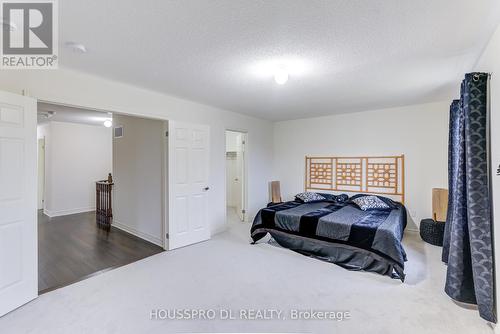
352	55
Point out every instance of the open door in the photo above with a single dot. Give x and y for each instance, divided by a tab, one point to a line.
18	201
188	184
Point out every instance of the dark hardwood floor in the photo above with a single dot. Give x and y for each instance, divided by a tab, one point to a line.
71	248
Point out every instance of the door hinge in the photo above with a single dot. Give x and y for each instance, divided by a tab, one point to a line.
243	211
166	133
166	235
243	142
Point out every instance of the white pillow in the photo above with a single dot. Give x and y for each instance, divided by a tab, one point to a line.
370	202
309	197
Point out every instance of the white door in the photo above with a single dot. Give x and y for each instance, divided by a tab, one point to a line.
240	176
18	201
188	170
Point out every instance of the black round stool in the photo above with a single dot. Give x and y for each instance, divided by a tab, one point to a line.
432	231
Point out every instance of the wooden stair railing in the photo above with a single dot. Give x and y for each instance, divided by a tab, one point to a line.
104	211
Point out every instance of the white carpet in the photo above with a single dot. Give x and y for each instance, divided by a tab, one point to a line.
229	273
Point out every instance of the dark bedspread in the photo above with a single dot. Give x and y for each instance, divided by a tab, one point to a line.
340	233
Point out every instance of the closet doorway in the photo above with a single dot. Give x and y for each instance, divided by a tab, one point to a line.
236	182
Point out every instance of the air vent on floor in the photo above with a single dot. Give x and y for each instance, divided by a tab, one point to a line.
118	132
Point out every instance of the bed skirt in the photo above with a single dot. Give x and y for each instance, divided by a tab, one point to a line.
348	257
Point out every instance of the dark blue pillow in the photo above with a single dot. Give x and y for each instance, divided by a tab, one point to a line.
342	198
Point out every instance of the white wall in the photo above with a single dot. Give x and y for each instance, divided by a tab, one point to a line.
78	89
420	132
76	155
490	62
137	175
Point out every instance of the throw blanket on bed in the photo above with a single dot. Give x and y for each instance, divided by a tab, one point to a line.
376	231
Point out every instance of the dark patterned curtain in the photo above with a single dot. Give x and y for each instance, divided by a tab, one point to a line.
468	232
455	137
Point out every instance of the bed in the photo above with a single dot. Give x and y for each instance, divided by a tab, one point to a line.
335	229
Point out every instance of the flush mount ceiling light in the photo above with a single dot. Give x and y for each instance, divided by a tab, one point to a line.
108	123
281	76
280	69
76	47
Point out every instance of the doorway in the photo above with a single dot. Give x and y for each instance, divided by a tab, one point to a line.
236	182
79	152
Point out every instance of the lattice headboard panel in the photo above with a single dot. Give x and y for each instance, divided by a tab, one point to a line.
373	175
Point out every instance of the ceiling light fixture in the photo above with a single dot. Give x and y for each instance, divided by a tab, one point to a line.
46	114
108	123
76	47
281	76
281	69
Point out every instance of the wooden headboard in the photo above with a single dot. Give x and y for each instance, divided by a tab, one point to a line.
383	175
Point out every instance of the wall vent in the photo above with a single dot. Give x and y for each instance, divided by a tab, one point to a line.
118	132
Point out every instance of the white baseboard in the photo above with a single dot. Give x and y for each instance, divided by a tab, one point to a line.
58	213
139	234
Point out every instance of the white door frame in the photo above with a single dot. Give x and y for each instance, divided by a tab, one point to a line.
41	175
245	171
165	200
